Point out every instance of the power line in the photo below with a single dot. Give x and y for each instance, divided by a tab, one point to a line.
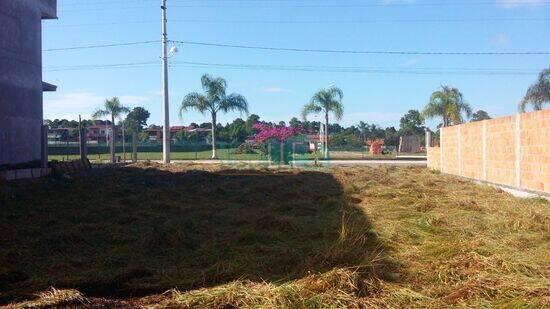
99	46
279	4
292	4
331	69
372	70
100	66
370	21
371	52
382	52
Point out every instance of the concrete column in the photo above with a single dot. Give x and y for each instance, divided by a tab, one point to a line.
428	139
518	150
484	149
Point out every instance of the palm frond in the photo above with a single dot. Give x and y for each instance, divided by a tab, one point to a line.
195	101
337	109
115	108
448	102
234	102
311	108
466	108
328	100
336	93
100	113
537	94
214	88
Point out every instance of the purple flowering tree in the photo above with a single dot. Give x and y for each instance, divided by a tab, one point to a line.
269	133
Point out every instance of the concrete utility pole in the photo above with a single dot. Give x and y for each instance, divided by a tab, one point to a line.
166	106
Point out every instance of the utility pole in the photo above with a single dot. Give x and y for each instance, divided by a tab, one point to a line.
166	106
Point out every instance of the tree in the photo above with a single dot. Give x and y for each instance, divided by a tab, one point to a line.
326	101
113	108
480	115
363	127
295	123
411	123
391	137
136	120
213	101
250	122
449	104
538	93
235	132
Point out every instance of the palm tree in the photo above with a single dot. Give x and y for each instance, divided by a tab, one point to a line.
326	101
538	93
449	104
113	108
213	101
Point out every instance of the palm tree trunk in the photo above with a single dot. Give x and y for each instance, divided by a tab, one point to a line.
214	136
326	135
113	138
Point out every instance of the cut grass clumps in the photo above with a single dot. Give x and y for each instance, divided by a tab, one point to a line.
56	298
219	237
337	288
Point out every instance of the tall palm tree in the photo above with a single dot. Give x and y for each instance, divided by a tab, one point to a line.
326	101
538	93
449	104
114	109
213	100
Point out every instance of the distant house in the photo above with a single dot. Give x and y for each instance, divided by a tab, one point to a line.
155	132
59	135
99	133
314	141
22	134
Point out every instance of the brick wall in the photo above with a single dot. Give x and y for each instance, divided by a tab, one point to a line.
434	154
471	150
513	151
535	151
449	148
501	154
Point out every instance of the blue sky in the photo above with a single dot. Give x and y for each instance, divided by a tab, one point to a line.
379	97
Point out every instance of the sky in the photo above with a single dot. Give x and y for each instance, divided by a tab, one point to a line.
378	88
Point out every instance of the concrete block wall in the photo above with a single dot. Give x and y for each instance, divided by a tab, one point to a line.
535	151
512	151
449	150
21	79
471	150
434	154
501	154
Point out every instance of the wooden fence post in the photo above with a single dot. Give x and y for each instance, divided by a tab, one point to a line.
134	146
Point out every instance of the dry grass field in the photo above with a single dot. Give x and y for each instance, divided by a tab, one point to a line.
216	237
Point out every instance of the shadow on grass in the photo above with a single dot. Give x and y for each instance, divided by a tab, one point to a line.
135	231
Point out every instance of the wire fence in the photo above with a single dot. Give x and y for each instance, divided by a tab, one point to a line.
295	149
